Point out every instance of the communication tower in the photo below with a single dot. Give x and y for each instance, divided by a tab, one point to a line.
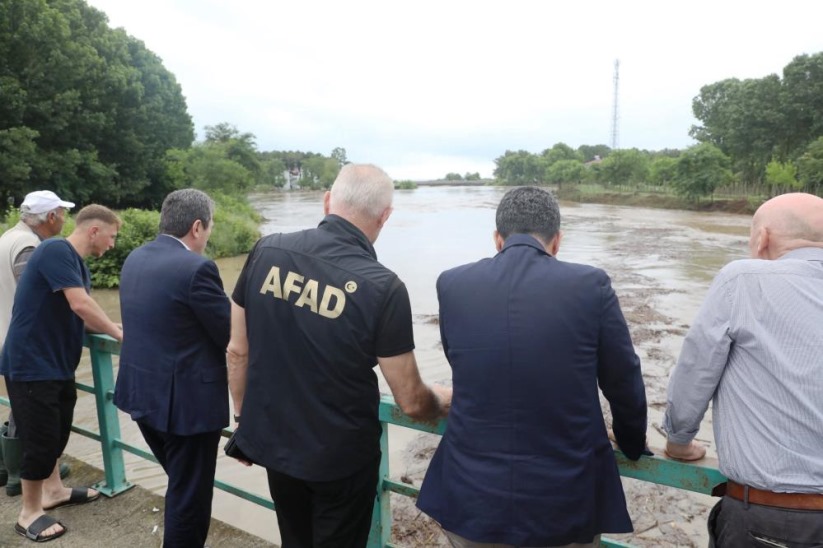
615	112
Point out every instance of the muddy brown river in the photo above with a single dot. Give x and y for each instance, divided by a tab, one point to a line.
661	263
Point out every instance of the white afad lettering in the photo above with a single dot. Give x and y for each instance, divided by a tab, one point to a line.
309	296
332	303
339	304
272	283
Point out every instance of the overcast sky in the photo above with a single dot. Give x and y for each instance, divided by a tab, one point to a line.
425	88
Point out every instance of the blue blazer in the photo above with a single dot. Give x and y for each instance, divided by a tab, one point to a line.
525	459
176	325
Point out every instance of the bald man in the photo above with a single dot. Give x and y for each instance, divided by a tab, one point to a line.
756	349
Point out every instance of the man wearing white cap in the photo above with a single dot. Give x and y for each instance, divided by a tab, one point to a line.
42	215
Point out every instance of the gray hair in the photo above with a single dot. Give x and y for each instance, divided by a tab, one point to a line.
528	210
362	189
181	208
33	219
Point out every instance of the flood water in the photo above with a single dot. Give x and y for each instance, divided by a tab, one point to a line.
661	263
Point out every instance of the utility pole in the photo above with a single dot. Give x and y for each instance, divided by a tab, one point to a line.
615	112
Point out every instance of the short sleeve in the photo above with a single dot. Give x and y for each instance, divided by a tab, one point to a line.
395	334
60	267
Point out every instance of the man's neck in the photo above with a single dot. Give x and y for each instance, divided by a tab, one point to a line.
79	243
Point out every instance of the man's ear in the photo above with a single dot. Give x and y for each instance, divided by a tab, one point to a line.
498	241
760	249
326	202
384	217
554	245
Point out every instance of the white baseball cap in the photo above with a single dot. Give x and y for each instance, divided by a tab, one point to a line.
41	201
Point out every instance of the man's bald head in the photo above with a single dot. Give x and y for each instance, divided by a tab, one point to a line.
786	222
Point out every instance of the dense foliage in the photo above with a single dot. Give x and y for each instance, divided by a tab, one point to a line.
84	110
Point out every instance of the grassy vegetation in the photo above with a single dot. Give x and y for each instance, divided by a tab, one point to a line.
658	197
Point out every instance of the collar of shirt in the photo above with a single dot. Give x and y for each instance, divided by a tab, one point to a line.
523	239
804	254
340	226
178	239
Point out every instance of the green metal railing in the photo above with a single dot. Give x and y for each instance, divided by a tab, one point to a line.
687	476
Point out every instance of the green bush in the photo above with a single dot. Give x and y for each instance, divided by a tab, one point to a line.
405	185
234	234
10	218
235	230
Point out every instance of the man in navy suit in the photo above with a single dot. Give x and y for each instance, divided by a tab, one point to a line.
526	460
173	378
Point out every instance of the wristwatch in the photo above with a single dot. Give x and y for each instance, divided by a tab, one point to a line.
237	418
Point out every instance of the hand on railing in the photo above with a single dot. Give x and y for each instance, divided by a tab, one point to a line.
685	452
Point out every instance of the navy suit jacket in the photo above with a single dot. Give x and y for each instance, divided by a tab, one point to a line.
176	325
525	459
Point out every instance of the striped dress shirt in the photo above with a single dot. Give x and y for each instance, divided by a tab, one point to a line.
756	349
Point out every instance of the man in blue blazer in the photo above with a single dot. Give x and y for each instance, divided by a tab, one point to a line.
173	378
526	460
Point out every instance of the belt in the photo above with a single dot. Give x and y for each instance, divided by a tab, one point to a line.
792	501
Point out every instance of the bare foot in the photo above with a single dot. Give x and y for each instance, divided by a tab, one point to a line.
689	452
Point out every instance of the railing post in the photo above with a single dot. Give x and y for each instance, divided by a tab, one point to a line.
101	349
381	516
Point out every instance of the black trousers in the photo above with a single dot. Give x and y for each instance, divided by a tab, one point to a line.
325	514
735	524
189	462
44	411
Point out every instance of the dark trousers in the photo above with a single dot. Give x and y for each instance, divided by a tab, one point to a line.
325	514
44	411
735	524
189	462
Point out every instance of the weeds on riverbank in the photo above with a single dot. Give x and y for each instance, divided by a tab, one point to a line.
745	205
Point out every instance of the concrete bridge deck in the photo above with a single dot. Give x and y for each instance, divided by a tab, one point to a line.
131	520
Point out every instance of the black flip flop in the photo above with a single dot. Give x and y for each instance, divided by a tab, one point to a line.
79	495
33	532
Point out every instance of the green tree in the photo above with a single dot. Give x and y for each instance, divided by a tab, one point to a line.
565	171
623	167
700	170
454	177
559	151
802	103
98	107
592	152
519	168
239	147
662	170
207	167
782	176
743	119
471	176
319	172
272	172
810	167
339	154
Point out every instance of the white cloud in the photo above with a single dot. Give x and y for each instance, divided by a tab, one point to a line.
421	85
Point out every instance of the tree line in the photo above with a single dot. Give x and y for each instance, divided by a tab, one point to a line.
91	113
764	136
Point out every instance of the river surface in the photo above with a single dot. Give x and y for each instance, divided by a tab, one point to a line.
661	263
